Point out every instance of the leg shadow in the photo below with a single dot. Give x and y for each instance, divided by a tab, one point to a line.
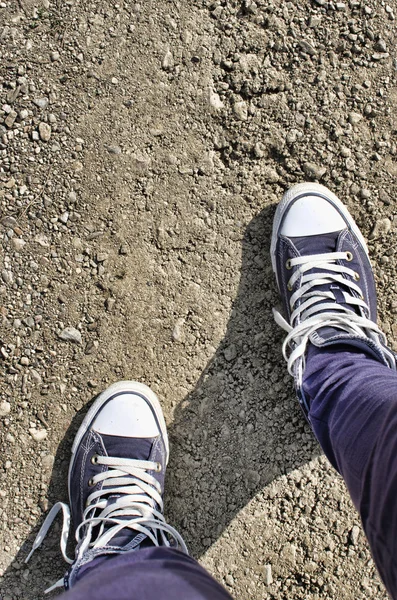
241	427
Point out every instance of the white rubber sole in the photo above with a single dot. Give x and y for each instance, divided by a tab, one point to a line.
134	387
305	189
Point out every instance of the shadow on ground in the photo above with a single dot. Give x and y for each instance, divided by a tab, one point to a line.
234	434
241	427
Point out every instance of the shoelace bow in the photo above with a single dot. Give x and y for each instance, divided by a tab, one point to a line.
135	508
313	309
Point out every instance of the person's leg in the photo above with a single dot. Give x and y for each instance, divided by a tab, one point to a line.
125	548
149	574
353	412
344	373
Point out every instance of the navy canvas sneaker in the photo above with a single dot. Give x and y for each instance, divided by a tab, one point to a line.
116	480
325	279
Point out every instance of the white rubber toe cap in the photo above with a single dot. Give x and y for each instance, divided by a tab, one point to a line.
127	415
311	215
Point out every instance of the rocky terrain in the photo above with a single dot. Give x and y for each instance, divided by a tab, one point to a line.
143	148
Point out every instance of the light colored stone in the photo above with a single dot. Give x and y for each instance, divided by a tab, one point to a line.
64	217
215	101
270	175
17	244
314	171
38	435
381	227
5	408
354	118
10	119
177	333
230	352
71	334
354	535
48	462
289	553
267	572
240	109
44	132
168	60
41	102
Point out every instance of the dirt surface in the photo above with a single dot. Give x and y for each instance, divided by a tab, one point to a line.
143	148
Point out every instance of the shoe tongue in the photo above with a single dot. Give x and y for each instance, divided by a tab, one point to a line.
323	244
123	447
316	244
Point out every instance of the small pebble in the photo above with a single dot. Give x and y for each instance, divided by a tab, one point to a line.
381	227
168	60
268	577
307	48
215	101
64	217
314	171
354	118
113	149
7	277
48	462
177	333
17	244
109	304
230	352
354	535
5	408
10	119
289	553
9	222
41	102
240	109
44	132
38	435
381	46
229	579
35	376
71	334
345	152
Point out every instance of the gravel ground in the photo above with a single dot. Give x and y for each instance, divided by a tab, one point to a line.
143	148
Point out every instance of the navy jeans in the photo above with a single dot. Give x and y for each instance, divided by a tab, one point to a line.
353	413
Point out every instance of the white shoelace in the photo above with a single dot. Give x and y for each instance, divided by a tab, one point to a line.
313	309
135	509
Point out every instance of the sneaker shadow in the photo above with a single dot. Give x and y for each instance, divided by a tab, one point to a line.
238	430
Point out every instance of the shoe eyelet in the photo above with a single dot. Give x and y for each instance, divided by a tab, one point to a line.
91	482
288	264
349	256
356	276
158	468
94	459
289	287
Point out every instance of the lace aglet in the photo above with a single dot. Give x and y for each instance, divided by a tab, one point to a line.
56	585
281	322
36	544
27	559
